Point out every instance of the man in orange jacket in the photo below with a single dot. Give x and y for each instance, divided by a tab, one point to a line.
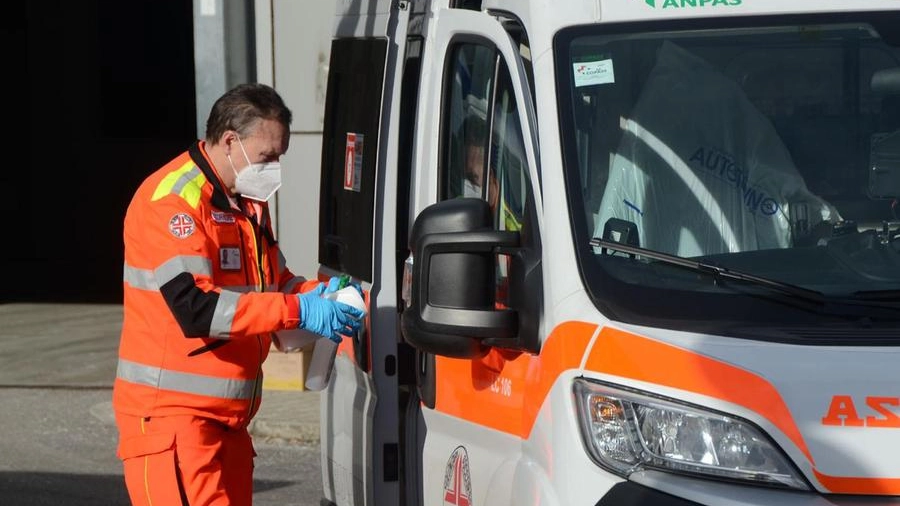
205	286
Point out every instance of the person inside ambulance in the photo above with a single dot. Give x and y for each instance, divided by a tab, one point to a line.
475	173
205	286
476	162
700	170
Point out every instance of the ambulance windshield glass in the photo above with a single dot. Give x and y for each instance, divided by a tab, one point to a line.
766	146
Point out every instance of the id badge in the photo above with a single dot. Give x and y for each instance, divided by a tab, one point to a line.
230	258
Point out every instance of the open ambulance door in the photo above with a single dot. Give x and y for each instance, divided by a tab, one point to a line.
475	75
359	414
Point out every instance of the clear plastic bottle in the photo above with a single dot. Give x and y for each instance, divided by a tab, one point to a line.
322	362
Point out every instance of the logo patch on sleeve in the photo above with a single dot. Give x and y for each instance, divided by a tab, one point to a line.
181	225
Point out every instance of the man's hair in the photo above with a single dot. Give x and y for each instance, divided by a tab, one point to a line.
242	107
475	131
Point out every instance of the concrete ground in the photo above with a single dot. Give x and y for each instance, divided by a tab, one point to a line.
75	346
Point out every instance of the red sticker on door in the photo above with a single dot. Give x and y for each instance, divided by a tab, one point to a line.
353	154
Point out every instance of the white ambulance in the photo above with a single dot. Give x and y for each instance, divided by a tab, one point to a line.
616	252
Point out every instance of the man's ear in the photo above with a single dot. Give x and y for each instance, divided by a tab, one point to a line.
228	139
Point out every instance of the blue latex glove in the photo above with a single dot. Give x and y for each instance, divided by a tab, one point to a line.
335	283
328	318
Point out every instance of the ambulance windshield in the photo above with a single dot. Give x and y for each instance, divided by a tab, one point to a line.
766	146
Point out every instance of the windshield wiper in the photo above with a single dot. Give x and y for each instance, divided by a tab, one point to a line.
715	271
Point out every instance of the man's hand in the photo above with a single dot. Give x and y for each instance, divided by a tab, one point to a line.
328	318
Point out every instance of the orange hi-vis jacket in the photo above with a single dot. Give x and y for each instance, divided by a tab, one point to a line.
205	285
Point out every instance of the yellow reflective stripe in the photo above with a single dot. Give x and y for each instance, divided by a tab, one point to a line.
259	267
509	219
165	186
186	182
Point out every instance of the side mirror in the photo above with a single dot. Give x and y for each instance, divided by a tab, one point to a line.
451	303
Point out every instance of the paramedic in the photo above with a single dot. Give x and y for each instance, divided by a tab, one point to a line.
472	186
205	286
474	180
474	164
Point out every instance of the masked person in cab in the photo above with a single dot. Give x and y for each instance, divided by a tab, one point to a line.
205	286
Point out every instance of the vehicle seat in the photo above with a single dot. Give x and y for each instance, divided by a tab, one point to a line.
700	170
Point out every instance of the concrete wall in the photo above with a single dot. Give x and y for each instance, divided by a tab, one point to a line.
293	42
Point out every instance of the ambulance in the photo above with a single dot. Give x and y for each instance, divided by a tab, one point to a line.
615	252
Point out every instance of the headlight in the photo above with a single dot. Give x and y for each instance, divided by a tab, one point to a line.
626	432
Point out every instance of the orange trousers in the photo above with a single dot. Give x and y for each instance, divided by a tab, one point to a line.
185	460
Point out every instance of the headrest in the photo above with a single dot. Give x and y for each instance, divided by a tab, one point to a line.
886	81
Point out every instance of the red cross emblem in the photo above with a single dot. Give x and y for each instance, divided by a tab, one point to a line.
457	481
181	225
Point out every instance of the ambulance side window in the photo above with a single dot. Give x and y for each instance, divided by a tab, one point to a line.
469	85
507	158
483	150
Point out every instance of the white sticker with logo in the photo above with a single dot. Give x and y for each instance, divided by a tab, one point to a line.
589	73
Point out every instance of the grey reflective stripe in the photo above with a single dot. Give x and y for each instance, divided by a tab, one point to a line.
249	288
147	279
289	286
185	179
185	382
223	316
139	278
240	288
176	265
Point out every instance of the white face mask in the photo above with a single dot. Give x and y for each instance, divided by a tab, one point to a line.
257	181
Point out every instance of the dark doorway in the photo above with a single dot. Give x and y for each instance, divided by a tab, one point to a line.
102	94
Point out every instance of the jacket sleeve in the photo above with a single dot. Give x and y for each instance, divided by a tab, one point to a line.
288	282
168	236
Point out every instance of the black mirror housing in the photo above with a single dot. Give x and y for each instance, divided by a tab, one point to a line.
452	302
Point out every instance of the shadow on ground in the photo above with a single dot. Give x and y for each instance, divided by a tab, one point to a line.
19	488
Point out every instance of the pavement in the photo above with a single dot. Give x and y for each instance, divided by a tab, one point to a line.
75	346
